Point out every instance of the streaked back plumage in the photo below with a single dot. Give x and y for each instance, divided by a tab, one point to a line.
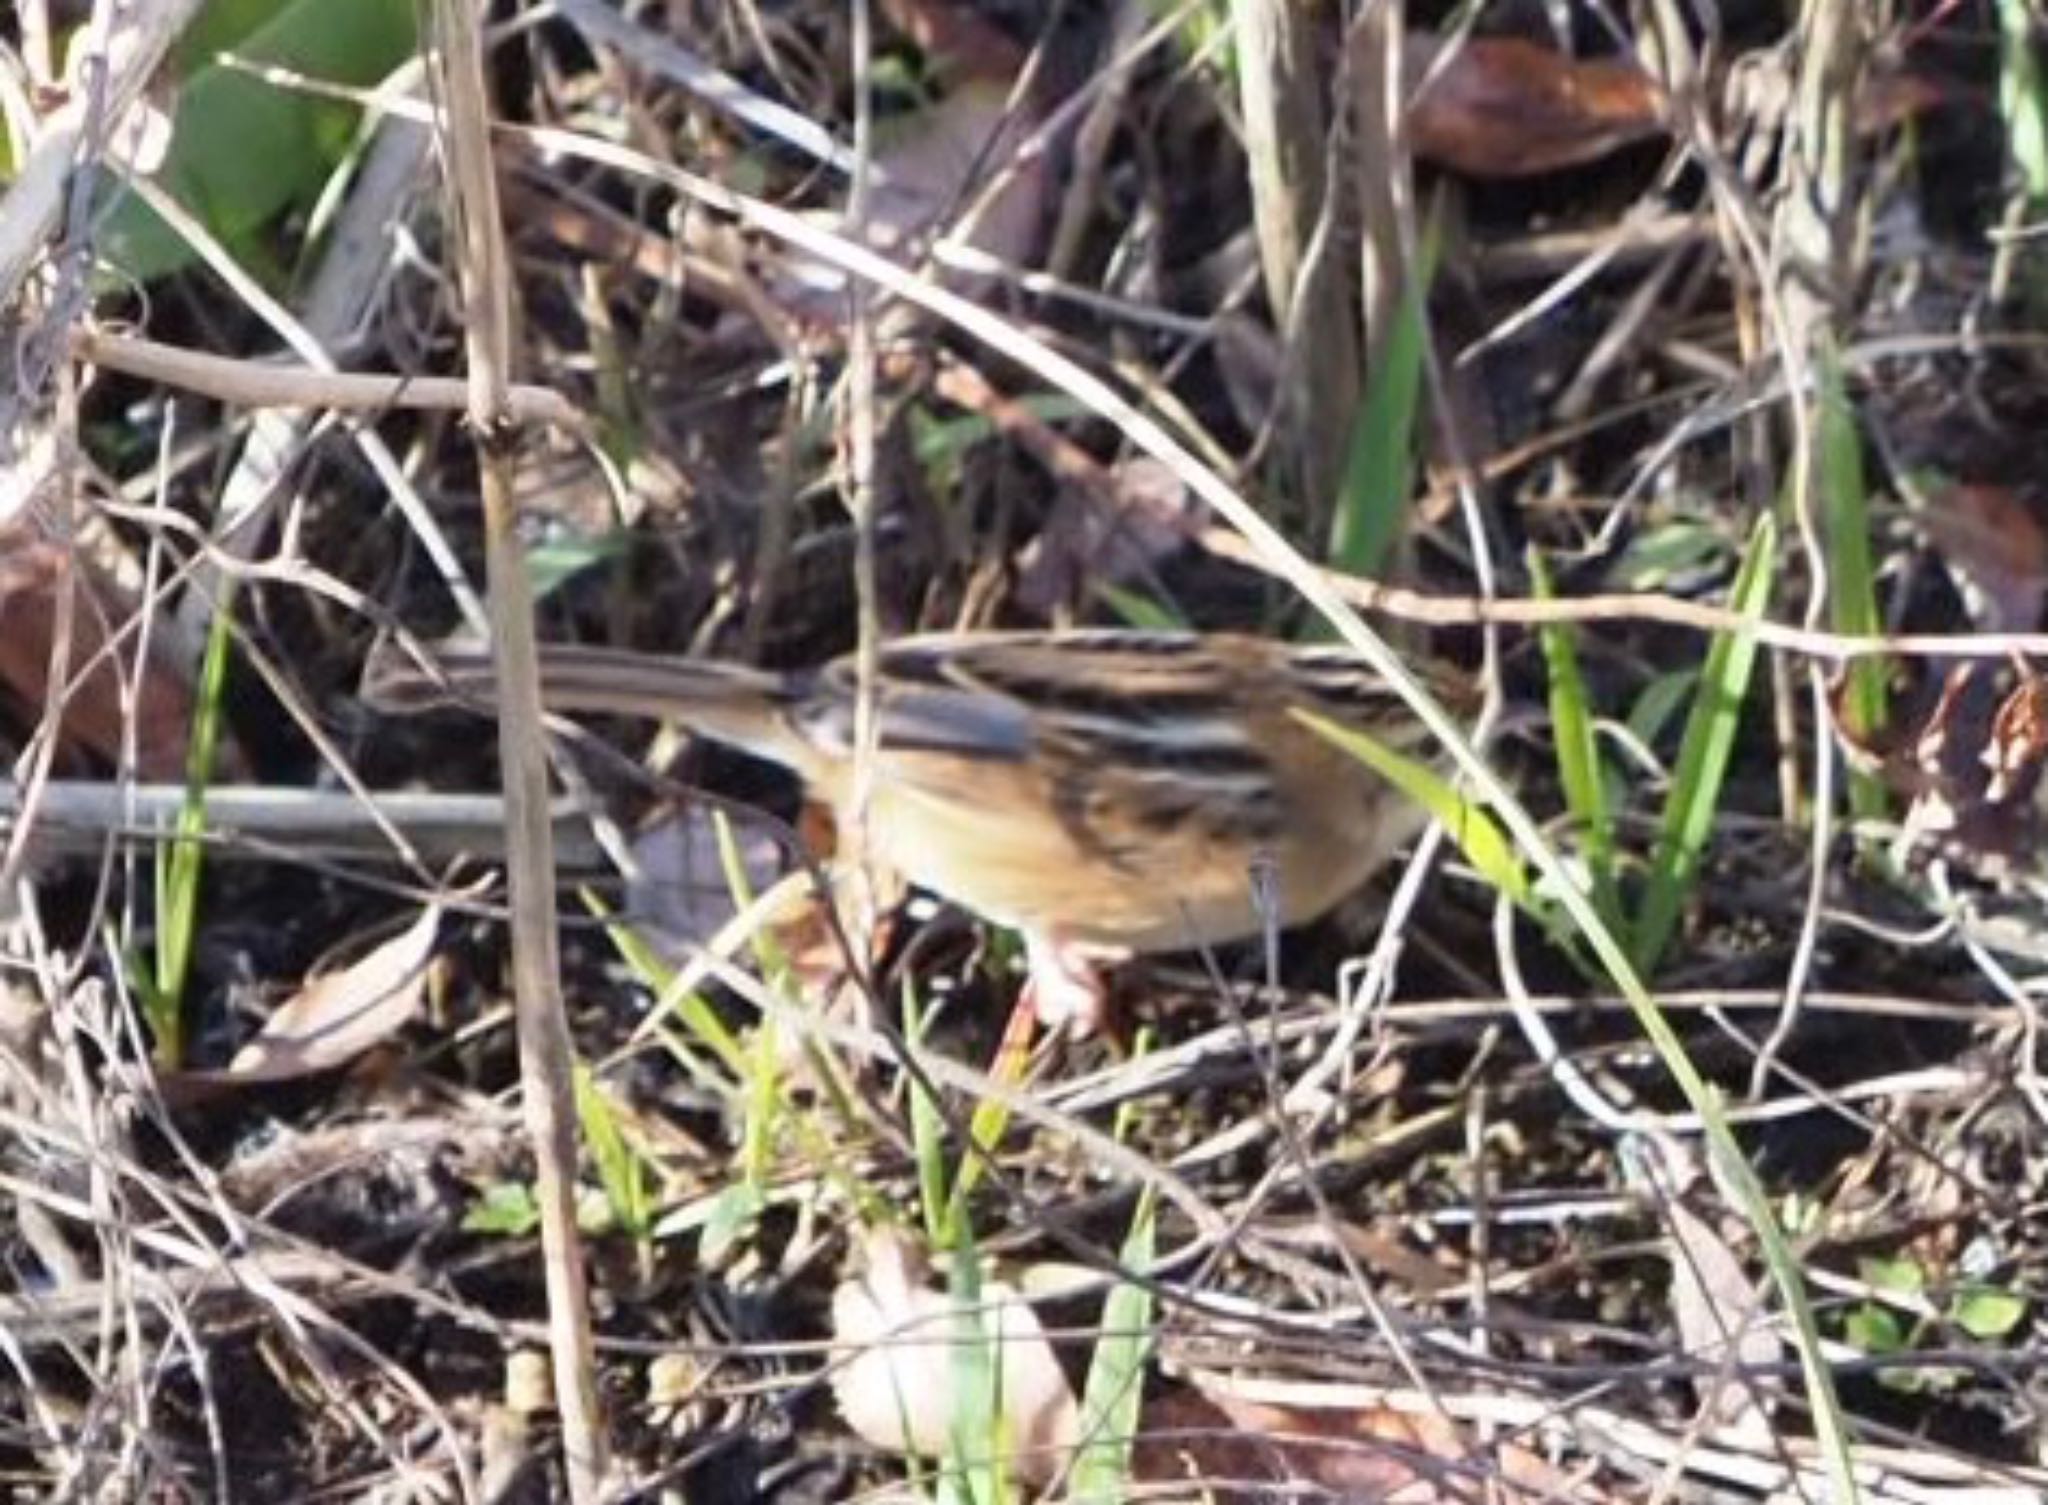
1116	786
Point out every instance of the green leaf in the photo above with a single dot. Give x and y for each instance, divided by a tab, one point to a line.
243	150
1660	700
1987	1312
1897	1277
2022	96
506	1208
1476	832
731	1216
554	563
1141	611
1379	464
978	1448
181	864
1578	752
1852	578
1116	1374
620	1170
1703	759
927	1134
690	1008
1874	1329
1667	550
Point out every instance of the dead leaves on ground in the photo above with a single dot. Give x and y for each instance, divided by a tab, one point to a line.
1967	754
59	614
905	1346
1503	107
336	1016
1326	1444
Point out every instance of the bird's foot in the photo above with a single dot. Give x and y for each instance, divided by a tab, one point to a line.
1064	986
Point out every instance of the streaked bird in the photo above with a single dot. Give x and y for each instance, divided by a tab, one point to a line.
1104	792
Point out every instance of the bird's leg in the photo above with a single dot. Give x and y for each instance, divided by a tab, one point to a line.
1063	986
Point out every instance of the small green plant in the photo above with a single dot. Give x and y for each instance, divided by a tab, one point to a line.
504	1208
1115	1391
1704	755
1913	1312
1579	768
1852	578
623	1172
224	110
1379	466
748	1075
977	1470
181	861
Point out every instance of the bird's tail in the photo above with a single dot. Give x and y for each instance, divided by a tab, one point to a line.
731	703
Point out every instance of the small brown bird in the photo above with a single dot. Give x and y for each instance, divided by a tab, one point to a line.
1104	792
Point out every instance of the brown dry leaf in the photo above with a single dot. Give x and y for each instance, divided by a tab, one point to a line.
1968	752
339	1015
1503	107
930	170
900	1387
1092	539
2019	741
936	163
36	572
1997	547
1237	1452
1248	1452
1720	1314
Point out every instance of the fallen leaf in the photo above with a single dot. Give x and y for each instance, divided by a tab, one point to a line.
1719	1311
932	170
1504	107
336	1017
1107	535
2019	741
1234	1450
1239	1450
900	1387
1996	546
1968	752
36	574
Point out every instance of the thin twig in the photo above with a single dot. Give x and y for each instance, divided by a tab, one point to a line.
264	384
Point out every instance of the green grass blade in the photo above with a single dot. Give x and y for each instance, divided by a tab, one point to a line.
1579	768
1136	610
1115	1389
979	1444
1379	465
928	1139
699	1020
1469	823
621	1172
1703	757
181	865
1852	578
2022	97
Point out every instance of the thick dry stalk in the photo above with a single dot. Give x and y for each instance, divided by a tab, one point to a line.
1295	210
546	1053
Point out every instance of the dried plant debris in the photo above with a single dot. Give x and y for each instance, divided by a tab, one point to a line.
1442	291
1969	763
